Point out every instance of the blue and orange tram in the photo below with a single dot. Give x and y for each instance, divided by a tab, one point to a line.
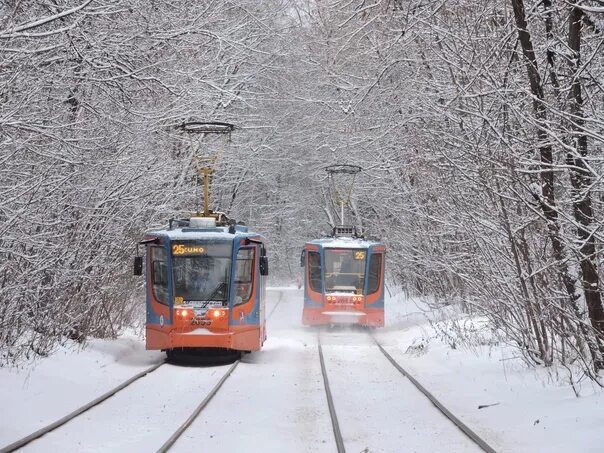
343	280
205	285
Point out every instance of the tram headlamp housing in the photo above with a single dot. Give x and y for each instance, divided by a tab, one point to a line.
219	318
183	313
217	313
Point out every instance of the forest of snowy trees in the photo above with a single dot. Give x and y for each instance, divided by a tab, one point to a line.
479	126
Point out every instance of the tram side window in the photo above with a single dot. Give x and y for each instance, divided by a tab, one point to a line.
375	271
314	271
159	269
244	274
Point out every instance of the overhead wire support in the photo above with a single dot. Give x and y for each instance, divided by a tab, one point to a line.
345	174
206	164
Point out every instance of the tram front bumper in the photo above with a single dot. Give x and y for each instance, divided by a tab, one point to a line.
241	338
323	316
201	338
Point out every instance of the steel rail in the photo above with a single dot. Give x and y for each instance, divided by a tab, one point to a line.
440	406
39	433
332	410
166	446
170	442
276	305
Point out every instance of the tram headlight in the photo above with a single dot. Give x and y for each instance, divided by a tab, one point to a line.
218	318
217	313
183	313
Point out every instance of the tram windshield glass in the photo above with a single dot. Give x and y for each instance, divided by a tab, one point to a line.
345	270
201	270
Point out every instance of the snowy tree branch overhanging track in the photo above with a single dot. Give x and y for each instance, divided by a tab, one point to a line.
361	379
39	433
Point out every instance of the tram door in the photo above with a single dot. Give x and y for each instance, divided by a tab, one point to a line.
375	279
262	272
251	267
159	314
243	286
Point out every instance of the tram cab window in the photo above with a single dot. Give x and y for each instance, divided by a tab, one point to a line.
244	275
314	271
345	270
201	271
375	272
159	274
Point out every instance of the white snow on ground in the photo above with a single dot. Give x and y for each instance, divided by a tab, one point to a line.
275	400
533	410
38	395
378	409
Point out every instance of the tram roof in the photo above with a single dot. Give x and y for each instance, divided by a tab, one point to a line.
344	242
217	233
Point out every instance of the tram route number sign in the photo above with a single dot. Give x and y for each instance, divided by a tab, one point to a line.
197	248
359	255
356	254
185	249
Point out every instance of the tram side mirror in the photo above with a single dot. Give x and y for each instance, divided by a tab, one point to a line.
263	265
302	258
138	265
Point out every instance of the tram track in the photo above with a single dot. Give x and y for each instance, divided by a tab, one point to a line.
79	411
276	305
97	401
332	408
182	428
437	403
465	429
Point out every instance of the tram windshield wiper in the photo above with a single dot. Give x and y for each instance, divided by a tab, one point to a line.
220	288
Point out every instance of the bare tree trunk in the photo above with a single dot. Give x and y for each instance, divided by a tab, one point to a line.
530	303
581	180
547	198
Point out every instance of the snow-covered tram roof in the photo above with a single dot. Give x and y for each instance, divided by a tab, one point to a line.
216	233
344	242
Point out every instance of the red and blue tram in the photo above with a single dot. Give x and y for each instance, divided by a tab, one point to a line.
206	287
343	280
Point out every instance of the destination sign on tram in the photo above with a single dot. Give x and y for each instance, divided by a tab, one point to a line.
358	255
187	249
195	248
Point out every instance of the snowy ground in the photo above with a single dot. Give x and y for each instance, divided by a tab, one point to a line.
275	400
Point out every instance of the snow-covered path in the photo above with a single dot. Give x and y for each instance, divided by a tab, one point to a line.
138	417
276	395
380	410
275	399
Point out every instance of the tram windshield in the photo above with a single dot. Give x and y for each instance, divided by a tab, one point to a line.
345	270
201	271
